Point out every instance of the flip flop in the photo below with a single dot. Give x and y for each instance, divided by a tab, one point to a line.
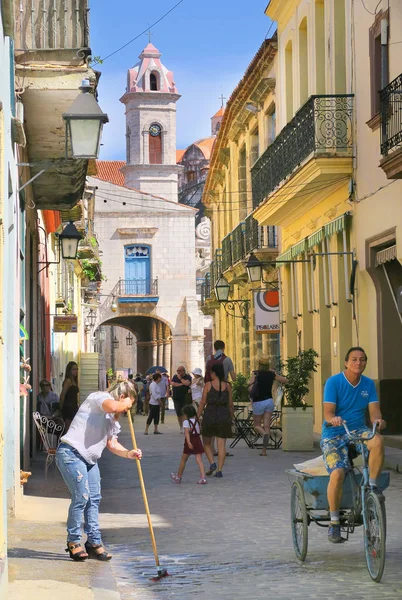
261	454
228	454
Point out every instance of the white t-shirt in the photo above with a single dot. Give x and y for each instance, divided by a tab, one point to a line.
154	393
163	386
186	424
92	428
196	390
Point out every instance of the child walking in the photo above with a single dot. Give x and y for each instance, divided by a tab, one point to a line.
192	444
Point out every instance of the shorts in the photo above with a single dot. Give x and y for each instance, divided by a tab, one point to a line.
263	406
335	450
178	406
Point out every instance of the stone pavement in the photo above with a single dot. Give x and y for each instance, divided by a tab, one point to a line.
229	539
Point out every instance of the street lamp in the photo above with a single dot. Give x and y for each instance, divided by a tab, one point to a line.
84	123
129	339
254	268
222	289
113	306
115	343
69	238
91	317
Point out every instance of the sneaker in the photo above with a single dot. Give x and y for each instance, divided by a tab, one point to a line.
212	469
181	430
219	474
334	533
158	433
175	477
202	481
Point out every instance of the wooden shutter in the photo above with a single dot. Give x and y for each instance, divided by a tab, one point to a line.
155	150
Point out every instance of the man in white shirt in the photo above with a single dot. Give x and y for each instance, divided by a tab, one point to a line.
154	404
163	386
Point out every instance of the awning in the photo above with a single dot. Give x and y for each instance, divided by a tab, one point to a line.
386	255
298	248
315	238
336	226
286	256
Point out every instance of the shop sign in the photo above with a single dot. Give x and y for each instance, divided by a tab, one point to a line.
65	324
266	310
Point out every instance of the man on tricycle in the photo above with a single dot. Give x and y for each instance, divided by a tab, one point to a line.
346	398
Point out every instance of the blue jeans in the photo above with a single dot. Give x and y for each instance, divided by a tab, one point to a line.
83	482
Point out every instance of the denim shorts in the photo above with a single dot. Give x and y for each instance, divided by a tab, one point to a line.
263	406
335	450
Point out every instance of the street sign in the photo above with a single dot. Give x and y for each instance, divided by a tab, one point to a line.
65	324
266	310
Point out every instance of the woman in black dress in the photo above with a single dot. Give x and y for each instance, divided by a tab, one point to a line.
69	394
217	417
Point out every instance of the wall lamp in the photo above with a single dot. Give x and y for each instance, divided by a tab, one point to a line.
129	339
68	245
222	289
251	107
115	343
113	306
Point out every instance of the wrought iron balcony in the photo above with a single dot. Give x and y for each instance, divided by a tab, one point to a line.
238	249
391	116
257	237
206	288
323	125
227	252
129	288
216	268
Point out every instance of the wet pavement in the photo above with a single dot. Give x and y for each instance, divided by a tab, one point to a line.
229	539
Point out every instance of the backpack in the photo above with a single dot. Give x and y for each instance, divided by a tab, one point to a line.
210	362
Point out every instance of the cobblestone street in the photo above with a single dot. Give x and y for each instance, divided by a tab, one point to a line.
228	539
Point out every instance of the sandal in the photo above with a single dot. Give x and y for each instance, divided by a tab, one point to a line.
175	477
93	551
202	481
77	556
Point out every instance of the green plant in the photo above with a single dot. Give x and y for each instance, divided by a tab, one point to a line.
93	241
91	270
298	371
110	373
240	389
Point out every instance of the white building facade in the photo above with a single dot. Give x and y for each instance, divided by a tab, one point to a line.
147	238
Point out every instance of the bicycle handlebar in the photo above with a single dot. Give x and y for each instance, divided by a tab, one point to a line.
357	438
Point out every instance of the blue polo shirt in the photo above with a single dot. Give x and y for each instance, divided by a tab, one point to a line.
351	402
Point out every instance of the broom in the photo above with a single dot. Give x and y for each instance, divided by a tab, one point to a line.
161	572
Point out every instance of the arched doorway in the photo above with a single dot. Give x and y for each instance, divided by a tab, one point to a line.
150	346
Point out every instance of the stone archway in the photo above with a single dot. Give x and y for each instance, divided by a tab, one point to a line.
152	341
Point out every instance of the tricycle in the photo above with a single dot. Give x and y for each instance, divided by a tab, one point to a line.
361	505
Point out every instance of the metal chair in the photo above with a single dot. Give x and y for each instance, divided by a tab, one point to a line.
50	432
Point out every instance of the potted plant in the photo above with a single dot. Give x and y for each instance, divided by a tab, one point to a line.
297	415
240	390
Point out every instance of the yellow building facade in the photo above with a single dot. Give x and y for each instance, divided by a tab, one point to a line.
303	182
247	129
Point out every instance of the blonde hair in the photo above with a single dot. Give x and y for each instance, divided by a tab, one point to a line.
263	363
123	388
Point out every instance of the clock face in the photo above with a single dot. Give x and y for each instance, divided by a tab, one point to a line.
155	130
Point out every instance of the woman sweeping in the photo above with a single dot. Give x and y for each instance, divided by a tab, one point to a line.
94	427
217	418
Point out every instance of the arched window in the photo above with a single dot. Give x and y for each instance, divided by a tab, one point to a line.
153	82
155	144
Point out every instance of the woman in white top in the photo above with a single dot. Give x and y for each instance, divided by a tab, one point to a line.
197	387
155	403
94	427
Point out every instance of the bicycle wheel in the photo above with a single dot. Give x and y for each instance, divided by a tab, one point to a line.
374	535
299	520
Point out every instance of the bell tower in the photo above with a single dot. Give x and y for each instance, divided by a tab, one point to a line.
150	101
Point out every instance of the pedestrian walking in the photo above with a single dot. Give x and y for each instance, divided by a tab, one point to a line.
69	394
148	381
260	388
217	418
94	427
219	357
192	445
197	387
163	386
180	386
140	386
154	404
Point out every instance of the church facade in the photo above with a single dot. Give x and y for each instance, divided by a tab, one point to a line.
146	236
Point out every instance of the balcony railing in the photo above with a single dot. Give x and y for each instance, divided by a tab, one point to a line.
238	250
216	267
258	237
323	124
226	252
54	25
391	116
137	287
206	288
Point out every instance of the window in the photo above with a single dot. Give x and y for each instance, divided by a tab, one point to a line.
254	147
289	80
153	82
270	125
376	83
242	183
303	62
191	176
155	144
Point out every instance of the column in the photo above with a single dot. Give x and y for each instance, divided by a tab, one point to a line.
154	345
159	342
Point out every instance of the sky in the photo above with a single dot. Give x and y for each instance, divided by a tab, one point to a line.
208	46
